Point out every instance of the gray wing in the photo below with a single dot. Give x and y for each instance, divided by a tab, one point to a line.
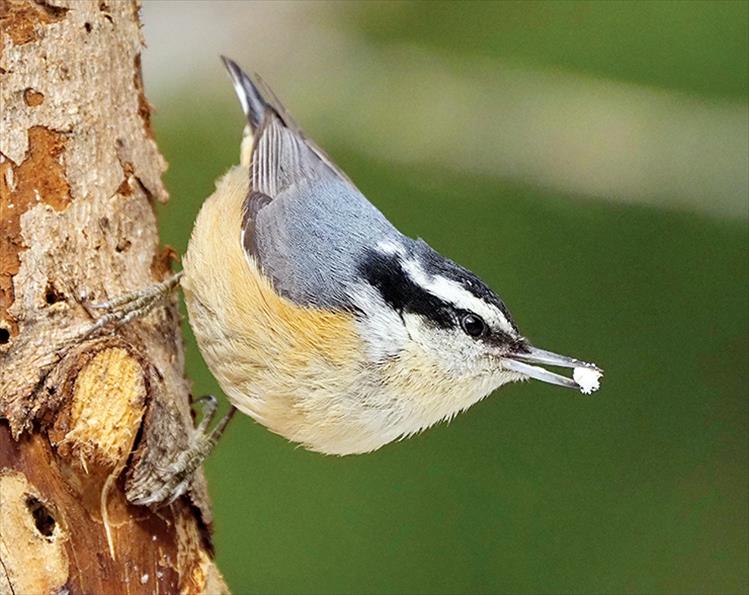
311	238
305	222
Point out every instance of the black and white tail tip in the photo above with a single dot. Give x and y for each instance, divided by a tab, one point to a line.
253	103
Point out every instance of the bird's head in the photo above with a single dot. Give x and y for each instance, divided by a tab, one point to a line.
447	329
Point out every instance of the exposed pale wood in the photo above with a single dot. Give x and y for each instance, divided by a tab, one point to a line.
86	421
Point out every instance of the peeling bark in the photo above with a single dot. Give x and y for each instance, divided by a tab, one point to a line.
86	421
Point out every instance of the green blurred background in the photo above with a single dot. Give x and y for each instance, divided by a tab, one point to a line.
617	255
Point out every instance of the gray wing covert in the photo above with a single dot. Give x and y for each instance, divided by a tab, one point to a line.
305	223
310	238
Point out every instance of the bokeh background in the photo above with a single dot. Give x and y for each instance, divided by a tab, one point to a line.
589	160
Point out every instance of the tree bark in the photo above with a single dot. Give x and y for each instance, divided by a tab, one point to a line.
87	422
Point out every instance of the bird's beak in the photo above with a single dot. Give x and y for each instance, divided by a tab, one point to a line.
585	375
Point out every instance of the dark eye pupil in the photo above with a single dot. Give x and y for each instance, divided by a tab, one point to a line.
473	325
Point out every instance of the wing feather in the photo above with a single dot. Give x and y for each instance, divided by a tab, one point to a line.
304	221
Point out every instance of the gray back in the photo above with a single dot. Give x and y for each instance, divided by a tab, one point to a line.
311	237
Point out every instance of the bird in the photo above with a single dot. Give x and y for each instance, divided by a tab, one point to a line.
323	322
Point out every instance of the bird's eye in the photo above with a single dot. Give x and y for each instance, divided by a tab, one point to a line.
473	325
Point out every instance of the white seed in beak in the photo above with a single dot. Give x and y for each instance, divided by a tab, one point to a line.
587	379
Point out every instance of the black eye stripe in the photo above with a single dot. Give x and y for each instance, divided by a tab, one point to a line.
385	273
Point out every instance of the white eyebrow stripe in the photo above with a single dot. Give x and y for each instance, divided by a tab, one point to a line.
454	293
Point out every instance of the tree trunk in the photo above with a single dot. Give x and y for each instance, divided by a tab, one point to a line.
86	420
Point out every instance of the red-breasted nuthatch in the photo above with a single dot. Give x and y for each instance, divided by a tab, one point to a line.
324	323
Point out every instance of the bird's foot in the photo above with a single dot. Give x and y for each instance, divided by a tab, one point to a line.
130	306
175	476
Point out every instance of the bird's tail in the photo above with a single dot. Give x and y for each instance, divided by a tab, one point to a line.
262	107
257	100
257	97
252	100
